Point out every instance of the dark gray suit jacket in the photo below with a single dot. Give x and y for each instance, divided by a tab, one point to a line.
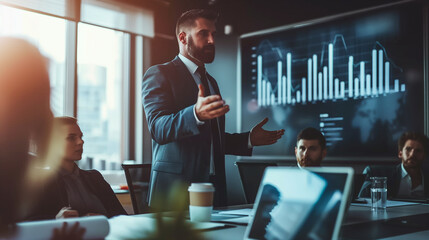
54	196
181	147
393	174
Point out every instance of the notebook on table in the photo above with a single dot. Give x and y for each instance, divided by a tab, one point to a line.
295	203
96	227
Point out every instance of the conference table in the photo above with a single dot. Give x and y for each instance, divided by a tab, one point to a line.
400	222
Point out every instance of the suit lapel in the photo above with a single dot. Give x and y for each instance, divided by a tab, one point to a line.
86	179
213	85
183	73
59	183
397	176
426	184
220	120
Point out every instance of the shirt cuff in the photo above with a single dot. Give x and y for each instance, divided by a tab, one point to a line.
201	122
249	143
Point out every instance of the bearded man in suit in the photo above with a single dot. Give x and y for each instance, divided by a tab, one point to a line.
406	180
186	114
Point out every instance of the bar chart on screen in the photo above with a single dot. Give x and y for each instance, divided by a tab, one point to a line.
359	78
325	76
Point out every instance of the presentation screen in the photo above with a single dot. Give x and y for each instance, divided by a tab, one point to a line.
358	78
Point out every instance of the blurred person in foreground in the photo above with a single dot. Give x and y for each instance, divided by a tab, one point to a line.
310	148
407	179
74	192
25	116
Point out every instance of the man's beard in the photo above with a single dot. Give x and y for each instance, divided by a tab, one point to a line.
412	162
205	55
308	162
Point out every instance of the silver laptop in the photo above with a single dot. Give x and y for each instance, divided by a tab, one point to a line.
295	203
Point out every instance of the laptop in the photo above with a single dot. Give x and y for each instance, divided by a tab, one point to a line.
295	203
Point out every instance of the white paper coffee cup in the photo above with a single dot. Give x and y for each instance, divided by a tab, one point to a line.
201	201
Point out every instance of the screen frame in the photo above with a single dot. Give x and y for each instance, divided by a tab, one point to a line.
344	201
425	41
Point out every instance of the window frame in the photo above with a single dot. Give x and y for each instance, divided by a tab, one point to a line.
133	134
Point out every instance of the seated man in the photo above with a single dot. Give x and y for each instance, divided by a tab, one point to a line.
75	192
405	180
310	148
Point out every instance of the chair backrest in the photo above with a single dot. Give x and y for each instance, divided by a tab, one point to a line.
251	175
138	176
358	180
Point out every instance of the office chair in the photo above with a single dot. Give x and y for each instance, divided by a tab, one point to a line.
138	176
358	180
251	176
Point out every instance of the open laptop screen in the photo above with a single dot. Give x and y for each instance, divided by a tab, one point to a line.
294	203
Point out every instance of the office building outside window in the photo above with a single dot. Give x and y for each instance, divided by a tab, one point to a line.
49	35
101	110
90	68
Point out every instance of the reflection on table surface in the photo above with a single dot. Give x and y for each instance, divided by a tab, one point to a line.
359	221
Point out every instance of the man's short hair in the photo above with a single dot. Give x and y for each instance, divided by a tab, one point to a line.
419	137
65	120
188	18
312	134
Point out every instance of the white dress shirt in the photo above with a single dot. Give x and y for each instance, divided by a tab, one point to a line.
192	67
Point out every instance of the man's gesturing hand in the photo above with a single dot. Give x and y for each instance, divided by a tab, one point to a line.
209	107
259	136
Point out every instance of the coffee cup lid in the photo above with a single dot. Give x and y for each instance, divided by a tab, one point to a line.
201	187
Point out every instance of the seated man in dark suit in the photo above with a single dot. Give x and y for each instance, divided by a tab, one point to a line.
74	192
405	180
310	148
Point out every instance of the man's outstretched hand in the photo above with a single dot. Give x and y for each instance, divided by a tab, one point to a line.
259	136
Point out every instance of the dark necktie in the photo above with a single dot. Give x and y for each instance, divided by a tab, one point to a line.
214	124
217	156
203	77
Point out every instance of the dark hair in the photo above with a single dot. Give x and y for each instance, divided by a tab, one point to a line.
419	137
65	120
188	18
312	134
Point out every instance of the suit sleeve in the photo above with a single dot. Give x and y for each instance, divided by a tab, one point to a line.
166	122
237	144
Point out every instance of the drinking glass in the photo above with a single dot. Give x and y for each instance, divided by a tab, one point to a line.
378	193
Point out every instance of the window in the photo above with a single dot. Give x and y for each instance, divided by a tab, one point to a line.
49	35
89	68
102	87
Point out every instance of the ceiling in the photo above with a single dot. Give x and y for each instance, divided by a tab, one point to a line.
252	15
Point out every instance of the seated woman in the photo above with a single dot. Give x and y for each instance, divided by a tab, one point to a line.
24	113
74	192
